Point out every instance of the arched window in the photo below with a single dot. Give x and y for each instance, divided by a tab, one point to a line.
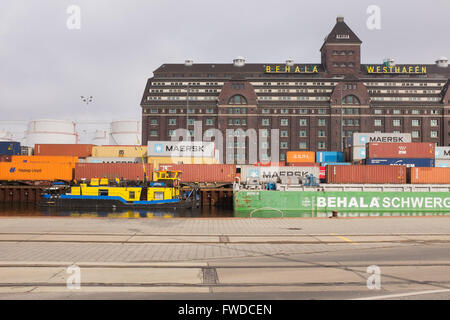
237	99
350	99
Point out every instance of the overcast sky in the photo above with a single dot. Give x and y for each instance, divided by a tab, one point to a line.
45	67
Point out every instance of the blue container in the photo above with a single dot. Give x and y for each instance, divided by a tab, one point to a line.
329	156
324	164
403	162
9	148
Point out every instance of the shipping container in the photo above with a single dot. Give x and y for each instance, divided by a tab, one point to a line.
122	171
442	163
360	138
429	175
119	151
20	171
274	174
45	159
322	174
419	150
329	156
26	151
181	149
442	153
324	164
75	150
156	161
366	174
9	148
113	160
270	164
402	162
358	153
5	158
300	156
203	172
303	164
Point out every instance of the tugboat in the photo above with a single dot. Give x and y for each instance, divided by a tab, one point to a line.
163	193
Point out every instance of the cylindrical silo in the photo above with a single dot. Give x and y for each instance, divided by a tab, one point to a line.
101	137
125	132
51	131
6	135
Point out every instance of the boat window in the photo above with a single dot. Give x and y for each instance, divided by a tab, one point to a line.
132	194
159	195
103	192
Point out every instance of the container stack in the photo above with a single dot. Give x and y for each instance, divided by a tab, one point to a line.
413	154
442	157
181	152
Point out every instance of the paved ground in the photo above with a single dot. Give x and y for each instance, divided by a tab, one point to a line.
293	258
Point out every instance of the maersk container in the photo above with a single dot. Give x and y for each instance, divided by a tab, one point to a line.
122	171
442	153
74	150
361	138
9	148
366	174
24	171
429	175
402	162
358	153
419	150
329	156
274	174
442	163
220	173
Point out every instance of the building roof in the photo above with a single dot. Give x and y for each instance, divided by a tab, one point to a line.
341	33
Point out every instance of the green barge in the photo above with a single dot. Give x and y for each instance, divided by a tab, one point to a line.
343	199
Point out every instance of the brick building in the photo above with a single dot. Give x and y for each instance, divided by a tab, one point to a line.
314	105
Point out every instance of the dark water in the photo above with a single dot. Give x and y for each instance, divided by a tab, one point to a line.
31	210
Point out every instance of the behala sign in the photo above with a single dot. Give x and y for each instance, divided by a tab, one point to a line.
292	69
380	69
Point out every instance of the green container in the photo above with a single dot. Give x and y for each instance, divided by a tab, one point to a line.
262	203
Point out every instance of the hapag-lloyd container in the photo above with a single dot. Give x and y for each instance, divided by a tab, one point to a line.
402	162
123	171
203	172
274	174
442	153
417	150
14	171
366	174
429	175
75	150
329	156
300	156
5	158
361	138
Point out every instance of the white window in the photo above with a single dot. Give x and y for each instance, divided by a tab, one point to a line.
377	122
321	145
303	122
284	122
265	122
434	123
434	134
396	122
415	134
302	145
415	123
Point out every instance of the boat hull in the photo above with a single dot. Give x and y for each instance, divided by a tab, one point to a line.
262	203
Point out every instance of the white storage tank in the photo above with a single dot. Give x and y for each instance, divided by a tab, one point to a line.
5	135
51	131
125	132
101	137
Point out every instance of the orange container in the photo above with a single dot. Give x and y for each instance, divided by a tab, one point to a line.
300	156
419	175
74	150
45	159
20	171
366	174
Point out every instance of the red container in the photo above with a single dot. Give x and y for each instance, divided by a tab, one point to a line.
366	174
270	164
322	173
123	171
203	172
419	175
303	164
5	158
74	150
422	150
